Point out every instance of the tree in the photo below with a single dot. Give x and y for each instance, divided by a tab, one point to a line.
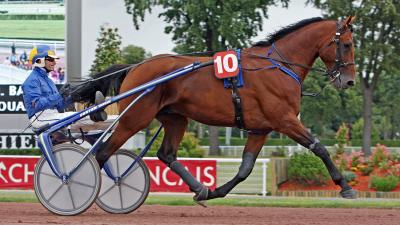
208	25
132	54
108	49
377	41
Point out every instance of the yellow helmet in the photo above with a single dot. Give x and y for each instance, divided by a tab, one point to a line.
40	52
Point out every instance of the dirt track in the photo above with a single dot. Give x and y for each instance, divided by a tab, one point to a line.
34	213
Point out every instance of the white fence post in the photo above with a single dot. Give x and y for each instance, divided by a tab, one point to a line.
264	179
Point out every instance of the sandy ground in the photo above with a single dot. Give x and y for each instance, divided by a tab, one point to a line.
35	213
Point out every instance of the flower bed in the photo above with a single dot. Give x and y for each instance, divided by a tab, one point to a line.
378	172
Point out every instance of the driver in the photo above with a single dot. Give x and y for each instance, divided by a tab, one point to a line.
43	103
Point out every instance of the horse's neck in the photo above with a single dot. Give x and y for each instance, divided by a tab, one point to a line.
300	47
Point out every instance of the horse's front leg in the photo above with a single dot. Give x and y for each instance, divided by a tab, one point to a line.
295	130
253	146
174	128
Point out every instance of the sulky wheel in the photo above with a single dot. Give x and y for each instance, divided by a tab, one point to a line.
128	193
77	193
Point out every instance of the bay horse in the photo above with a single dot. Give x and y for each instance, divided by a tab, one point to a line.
270	98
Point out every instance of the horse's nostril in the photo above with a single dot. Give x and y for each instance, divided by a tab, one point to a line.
350	83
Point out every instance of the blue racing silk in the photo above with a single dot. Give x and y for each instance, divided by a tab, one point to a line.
41	93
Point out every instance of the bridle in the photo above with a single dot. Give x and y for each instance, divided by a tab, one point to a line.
335	73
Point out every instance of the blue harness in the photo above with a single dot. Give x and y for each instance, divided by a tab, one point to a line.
275	65
237	82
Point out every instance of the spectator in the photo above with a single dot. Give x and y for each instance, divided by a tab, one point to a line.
23	57
13	48
13	59
61	76
54	75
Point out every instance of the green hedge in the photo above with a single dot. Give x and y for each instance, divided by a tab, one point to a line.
20	152
32	17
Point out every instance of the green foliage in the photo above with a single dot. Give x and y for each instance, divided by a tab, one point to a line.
132	54
366	169
349	175
357	131
379	154
20	152
384	183
306	168
342	138
108	49
189	146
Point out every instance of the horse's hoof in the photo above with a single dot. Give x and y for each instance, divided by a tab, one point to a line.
201	196
349	194
202	203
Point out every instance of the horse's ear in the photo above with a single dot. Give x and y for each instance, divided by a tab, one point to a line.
349	20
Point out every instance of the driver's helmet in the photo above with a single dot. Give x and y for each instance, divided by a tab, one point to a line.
39	53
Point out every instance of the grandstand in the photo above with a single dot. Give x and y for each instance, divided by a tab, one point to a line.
35	7
16	19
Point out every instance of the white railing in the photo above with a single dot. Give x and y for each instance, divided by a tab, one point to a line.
32	7
27	44
227	168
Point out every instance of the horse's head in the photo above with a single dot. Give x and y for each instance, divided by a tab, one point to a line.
337	52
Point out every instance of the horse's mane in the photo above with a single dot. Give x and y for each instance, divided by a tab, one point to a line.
287	30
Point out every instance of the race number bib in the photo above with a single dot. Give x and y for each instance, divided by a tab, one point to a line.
226	64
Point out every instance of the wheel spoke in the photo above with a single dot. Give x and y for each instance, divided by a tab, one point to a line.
118	172
63	168
70	195
108	190
82	184
49	175
132	170
120	197
131	187
55	192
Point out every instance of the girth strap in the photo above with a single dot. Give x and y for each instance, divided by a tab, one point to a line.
237	103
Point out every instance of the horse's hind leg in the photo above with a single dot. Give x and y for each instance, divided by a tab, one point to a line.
174	128
295	130
253	146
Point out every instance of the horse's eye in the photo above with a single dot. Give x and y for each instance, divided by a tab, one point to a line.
347	45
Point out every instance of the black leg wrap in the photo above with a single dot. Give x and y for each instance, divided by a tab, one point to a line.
244	171
246	166
320	151
102	155
187	177
194	185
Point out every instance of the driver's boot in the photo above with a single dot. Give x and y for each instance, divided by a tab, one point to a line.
100	115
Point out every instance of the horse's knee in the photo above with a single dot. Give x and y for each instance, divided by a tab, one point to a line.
319	150
247	166
166	158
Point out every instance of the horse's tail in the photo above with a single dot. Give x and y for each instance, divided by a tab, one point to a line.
107	81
